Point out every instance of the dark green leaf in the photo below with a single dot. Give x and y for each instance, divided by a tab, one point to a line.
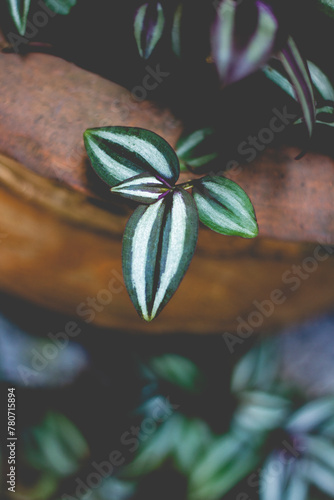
224	207
19	11
198	148
120	153
177	370
158	245
327	6
143	188
60	6
148	27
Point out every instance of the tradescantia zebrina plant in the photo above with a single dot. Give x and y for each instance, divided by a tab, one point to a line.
160	237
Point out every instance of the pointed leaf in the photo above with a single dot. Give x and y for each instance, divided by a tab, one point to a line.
148	27
120	153
238	52
198	148
311	415
19	10
299	75
143	188
176	30
224	207
158	245
62	7
273	479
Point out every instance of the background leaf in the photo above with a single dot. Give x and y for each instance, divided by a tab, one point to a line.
148	27
60	6
19	11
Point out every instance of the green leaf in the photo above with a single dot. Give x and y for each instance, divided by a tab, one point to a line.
327	6
60	6
224	207
223	467
299	75
158	245
321	449
193	441
148	27
198	148
176	30
320	81
143	188
311	415
273	479
120	153
19	10
298	486
177	370
320	476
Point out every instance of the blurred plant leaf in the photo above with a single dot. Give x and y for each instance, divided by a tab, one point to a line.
19	10
321	449
56	445
298	73
143	188
176	30
119	153
194	439
158	244
311	415
297	488
148	27
197	149
327	6
238	52
177	370
274	477
257	369
320	476
62	7
224	207
221	468
113	489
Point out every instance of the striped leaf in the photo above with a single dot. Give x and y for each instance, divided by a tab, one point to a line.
320	81
299	75
197	149
238	52
60	6
148	27
158	245
224	207
120	153
19	11
143	188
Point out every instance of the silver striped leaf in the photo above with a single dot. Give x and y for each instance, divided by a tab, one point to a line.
158	244
238	52
19	12
224	207
143	188
120	153
299	75
148	27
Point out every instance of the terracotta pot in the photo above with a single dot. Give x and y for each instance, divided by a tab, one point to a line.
61	230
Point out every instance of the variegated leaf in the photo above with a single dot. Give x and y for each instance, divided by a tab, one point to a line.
197	149
19	10
238	52
148	27
158	245
299	75
120	153
224	207
143	188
